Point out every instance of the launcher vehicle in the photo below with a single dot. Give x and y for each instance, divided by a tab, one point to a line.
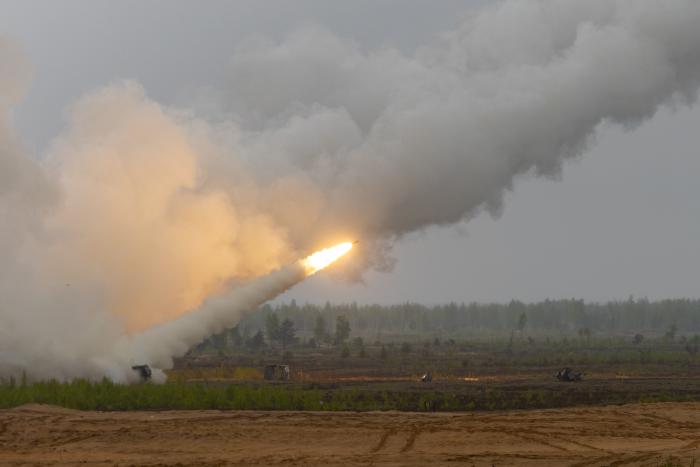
144	372
567	375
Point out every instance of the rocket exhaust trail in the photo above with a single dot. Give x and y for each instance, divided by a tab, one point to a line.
158	345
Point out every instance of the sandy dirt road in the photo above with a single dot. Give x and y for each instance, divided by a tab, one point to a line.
621	435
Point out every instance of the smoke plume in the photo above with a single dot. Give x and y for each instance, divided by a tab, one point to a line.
139	212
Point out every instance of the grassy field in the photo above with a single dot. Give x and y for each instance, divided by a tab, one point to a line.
389	395
468	376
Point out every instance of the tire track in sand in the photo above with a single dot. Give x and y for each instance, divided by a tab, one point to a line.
382	440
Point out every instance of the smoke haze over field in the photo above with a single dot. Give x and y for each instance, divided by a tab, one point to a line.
139	211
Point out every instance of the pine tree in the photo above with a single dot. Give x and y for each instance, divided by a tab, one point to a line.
257	341
320	331
272	327
287	333
342	329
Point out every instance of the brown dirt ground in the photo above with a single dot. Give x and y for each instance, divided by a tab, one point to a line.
646	434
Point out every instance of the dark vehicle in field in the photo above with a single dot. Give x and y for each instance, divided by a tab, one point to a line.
144	372
567	375
276	372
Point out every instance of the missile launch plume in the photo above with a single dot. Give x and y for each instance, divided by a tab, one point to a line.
157	346
139	212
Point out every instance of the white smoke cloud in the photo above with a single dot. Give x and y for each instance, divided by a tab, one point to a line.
160	343
138	219
139	212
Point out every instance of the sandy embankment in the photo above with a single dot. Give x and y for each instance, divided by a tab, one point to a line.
620	435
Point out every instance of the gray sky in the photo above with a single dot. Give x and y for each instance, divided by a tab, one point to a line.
623	219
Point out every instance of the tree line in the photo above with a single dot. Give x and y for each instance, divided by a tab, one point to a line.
286	324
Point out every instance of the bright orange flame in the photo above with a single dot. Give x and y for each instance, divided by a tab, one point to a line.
319	260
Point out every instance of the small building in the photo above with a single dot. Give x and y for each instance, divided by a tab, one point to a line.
276	372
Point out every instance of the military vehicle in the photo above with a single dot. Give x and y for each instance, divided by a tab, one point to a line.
567	375
277	373
144	372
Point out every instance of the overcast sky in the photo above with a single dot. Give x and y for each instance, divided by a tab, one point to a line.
624	219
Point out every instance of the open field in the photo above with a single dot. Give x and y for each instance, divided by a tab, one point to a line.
649	434
467	376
